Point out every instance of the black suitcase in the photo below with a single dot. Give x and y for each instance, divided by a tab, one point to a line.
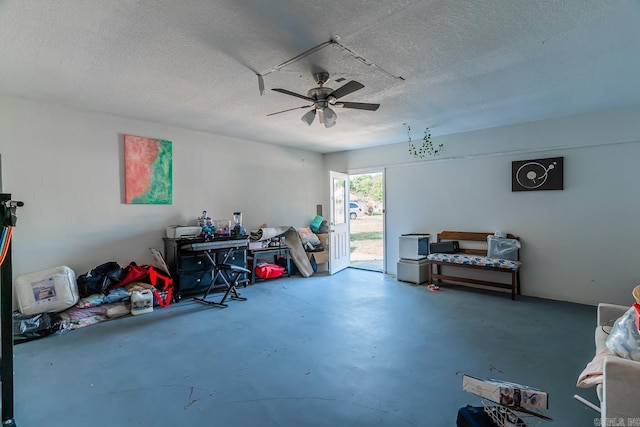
444	247
474	416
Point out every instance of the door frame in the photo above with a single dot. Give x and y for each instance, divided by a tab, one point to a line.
383	172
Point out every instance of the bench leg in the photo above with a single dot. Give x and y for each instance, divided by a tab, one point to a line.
514	284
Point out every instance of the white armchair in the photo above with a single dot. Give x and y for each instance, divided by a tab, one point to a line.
619	393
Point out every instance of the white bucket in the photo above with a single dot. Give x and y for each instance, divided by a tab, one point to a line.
141	302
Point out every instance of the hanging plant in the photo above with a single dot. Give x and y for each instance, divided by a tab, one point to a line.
426	148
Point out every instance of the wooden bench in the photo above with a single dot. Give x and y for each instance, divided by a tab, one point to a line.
473	256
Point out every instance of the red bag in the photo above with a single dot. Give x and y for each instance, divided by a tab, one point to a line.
166	287
269	271
132	273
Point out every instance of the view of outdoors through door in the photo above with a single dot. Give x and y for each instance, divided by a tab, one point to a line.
366	225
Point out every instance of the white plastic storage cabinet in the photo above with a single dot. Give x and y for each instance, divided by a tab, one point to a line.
413	271
414	246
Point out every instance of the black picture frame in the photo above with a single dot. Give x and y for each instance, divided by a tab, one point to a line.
537	174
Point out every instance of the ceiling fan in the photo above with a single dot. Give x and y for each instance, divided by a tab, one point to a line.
322	98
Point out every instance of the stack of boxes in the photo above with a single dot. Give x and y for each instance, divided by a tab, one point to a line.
412	266
321	258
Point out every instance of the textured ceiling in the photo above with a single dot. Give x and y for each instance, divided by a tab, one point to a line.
453	66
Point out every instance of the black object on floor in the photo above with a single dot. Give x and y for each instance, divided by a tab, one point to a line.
474	416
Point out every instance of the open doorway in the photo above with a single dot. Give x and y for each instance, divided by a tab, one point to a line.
366	221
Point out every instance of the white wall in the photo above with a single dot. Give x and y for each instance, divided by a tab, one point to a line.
67	167
579	244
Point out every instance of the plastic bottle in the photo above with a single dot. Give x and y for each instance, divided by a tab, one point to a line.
141	302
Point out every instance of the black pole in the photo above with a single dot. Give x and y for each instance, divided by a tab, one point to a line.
6	328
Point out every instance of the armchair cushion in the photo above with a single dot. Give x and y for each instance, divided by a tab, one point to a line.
620	388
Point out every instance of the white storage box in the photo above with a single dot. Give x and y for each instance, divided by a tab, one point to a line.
414	246
413	271
46	291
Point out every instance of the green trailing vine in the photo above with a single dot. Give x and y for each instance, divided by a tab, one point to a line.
426	148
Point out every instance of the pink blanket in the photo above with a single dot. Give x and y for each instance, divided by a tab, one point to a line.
593	372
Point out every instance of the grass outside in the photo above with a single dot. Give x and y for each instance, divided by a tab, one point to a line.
367	235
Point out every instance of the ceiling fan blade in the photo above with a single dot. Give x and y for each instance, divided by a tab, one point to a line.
350	87
359	105
297	95
290	109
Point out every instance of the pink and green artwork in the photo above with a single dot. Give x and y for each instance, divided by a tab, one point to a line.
147	170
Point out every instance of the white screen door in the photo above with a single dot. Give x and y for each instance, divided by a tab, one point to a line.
339	226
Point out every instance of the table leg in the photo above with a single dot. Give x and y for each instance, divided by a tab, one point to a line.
253	269
288	263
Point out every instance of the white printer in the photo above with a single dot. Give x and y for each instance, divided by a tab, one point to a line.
183	231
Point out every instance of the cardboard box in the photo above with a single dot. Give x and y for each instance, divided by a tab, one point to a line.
320	257
506	393
324	240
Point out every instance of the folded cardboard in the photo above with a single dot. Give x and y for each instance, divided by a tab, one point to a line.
320	257
506	393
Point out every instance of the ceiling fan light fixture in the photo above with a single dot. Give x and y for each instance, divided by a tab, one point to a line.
329	117
309	116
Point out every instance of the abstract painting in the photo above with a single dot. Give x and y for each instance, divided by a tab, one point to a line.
147	170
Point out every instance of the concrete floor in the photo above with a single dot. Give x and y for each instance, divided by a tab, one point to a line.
371	265
354	349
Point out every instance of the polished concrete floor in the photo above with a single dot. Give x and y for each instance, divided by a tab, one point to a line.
354	349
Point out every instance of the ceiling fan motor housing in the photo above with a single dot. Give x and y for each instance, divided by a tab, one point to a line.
320	96
321	78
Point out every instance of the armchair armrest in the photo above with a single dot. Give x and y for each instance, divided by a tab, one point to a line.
621	388
608	313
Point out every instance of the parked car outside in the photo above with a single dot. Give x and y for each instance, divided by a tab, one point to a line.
354	210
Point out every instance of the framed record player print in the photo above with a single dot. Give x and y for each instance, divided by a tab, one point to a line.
537	174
